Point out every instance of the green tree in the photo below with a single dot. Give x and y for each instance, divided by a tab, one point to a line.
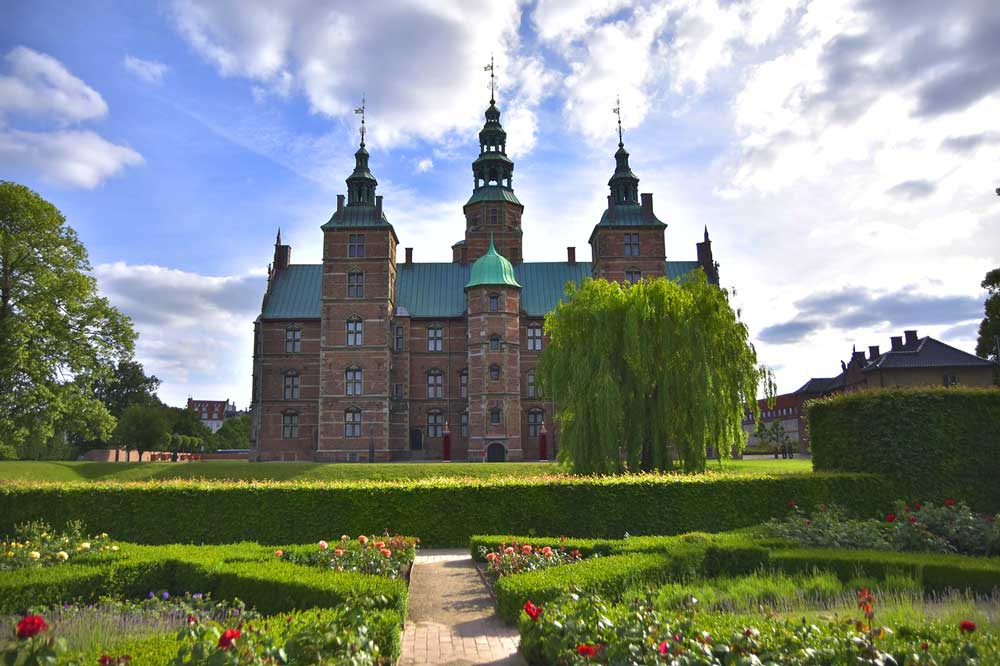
54	327
127	385
143	428
646	373
234	434
989	329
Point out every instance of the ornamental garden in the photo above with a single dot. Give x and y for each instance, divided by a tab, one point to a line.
888	552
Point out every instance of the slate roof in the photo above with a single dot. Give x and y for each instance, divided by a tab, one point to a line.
356	215
437	289
925	352
818	385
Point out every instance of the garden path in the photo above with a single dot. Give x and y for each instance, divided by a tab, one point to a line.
451	619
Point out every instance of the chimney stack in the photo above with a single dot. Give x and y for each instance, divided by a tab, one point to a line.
872	352
409	255
571	255
378	208
340	203
611	208
647	205
911	337
858	357
897	342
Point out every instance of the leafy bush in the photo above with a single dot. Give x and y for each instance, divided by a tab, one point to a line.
515	557
309	511
381	556
36	544
930	442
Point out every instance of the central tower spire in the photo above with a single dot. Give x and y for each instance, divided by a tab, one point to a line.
361	184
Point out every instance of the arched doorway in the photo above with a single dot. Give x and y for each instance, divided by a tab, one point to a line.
496	452
416	439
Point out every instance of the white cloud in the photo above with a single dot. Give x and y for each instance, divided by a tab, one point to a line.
70	157
38	84
149	71
565	20
425	165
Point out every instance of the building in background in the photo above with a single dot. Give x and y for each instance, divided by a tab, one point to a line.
363	358
213	412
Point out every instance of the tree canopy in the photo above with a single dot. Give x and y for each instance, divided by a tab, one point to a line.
647	373
989	328
54	328
143	428
234	434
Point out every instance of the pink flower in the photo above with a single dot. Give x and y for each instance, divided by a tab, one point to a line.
792	504
338	551
526	549
362	539
323	545
386	552
664	647
491	556
911	519
509	550
279	553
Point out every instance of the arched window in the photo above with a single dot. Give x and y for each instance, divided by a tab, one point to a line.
435	338
291	388
633	275
355	332
435	384
495	416
495	343
531	383
535	419
352	381
534	337
463	383
494	302
355	284
352	422
290	425
293	340
495	372
435	424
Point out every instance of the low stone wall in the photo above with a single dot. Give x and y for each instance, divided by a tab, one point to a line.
118	455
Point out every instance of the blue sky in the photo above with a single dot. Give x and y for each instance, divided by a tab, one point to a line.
843	153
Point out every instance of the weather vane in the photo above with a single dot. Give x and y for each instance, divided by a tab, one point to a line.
618	112
361	110
490	68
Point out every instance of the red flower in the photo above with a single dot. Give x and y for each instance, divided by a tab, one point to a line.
792	504
912	519
532	610
949	502
967	626
916	506
664	647
585	650
105	660
228	638
924	646
890	518
32	625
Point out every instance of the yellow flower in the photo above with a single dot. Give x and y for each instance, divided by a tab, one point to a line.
10	553
62	555
34	555
114	549
104	535
85	545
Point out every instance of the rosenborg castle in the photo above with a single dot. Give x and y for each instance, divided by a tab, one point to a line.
370	356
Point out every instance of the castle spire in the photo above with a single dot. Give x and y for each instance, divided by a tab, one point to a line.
361	110
624	184
361	183
492	167
618	112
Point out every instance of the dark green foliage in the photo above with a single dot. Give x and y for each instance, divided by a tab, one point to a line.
932	443
278	513
234	434
989	327
143	427
587	547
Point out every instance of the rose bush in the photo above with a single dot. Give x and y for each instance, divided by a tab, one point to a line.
36	544
515	557
386	555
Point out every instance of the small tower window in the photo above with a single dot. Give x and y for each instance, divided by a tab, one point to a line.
435	423
495	372
463	383
435	384
534	337
494	217
293	340
352	381
631	245
494	302
463	424
435	338
398	340
495	416
356	245
291	388
355	284
633	275
290	425
531	383
495	343
352	422
355	332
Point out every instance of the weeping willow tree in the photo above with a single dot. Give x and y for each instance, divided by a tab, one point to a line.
646	374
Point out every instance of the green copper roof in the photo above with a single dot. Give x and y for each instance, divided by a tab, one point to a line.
492	268
492	193
356	215
629	215
438	290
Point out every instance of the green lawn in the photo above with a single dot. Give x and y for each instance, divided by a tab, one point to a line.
236	470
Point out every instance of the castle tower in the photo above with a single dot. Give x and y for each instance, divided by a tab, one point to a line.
627	244
494	296
359	275
493	211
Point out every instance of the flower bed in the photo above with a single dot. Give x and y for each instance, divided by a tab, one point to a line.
36	544
507	559
389	556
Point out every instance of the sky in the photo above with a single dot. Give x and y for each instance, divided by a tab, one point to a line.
842	153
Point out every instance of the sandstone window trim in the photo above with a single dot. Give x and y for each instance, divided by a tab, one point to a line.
290	385
435	423
353	381
352	422
355	329
293	339
534	337
435	384
289	424
355	283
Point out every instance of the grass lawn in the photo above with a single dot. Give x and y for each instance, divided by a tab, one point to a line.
236	470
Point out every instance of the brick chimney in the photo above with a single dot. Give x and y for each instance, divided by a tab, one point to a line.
897	342
611	208
340	203
858	357
647	205
409	255
378	207
872	352
571	255
282	254
911	337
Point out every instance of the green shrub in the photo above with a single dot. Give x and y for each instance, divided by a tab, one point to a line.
587	547
276	513
933	443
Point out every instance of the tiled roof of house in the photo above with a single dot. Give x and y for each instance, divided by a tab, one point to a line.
437	289
925	352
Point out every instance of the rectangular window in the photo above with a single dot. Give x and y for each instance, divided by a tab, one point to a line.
631	245
397	391
531	383
495	372
463	424
289	426
291	387
352	380
951	380
494	302
435	421
435	338
535	423
398	339
463	384
293	340
356	245
435	385
355	333
495	343
495	416
355	284
534	338
352	423
493	216
633	276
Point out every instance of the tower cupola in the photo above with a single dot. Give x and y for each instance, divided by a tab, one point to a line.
492	269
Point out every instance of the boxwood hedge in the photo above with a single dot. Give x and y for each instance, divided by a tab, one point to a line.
933	443
442	512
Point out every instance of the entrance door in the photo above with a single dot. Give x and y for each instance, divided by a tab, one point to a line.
416	439
496	452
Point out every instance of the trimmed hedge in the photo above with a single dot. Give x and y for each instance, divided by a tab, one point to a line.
933	443
276	513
